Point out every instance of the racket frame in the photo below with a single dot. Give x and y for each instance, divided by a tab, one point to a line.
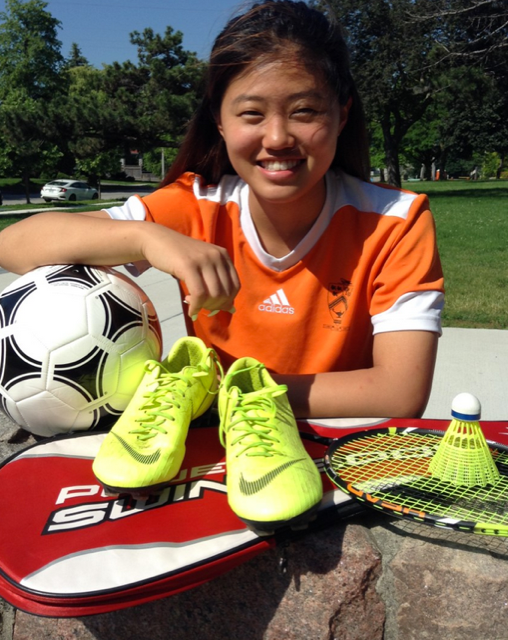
389	507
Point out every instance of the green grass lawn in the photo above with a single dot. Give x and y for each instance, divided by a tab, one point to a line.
472	232
86	205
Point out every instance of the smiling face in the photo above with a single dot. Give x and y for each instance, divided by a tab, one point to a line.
280	124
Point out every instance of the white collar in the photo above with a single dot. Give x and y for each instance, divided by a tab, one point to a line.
305	244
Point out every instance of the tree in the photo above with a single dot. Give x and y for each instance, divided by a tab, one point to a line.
76	58
128	106
157	160
30	52
98	165
473	41
31	88
472	32
389	59
94	131
406	56
27	131
453	125
420	145
160	92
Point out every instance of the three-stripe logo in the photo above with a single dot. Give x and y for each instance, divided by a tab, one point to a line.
277	303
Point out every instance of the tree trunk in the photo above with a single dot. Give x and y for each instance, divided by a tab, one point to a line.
26	182
391	156
442	164
391	148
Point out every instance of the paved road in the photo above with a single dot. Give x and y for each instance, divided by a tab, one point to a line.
109	192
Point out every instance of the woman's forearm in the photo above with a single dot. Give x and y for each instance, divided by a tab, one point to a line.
398	385
361	393
96	239
67	238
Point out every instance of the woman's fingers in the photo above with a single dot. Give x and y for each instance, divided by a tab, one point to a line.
211	288
206	269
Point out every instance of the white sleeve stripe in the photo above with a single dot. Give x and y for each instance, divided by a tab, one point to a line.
414	311
132	209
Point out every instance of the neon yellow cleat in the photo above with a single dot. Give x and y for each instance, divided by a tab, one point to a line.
271	479
145	448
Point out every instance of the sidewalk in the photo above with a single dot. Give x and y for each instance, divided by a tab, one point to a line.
472	360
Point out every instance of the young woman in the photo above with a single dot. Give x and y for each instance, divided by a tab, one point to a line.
268	210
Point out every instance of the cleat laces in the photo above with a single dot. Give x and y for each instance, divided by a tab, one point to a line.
254	422
168	393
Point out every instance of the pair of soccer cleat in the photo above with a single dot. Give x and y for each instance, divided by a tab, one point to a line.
271	479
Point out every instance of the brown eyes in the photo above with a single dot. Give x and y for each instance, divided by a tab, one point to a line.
306	113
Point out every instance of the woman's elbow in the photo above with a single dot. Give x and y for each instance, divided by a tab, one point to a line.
410	405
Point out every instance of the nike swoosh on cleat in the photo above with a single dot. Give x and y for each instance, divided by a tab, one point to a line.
139	457
249	488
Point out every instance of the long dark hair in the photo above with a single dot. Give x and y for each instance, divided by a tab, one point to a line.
265	32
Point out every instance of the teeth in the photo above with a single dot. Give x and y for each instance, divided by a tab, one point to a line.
279	165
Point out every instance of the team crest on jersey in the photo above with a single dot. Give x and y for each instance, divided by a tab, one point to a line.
338	299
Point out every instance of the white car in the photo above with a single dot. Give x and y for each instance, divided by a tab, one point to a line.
68	190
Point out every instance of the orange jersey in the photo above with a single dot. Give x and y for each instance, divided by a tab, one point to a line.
368	265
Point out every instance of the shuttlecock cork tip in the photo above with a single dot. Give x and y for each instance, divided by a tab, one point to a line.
466	406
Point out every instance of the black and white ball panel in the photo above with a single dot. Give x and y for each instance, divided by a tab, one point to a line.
73	343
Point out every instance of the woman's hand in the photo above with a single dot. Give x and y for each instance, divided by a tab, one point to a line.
206	269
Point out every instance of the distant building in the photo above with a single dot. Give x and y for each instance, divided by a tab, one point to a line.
132	166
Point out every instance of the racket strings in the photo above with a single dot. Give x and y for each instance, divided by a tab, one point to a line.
382	457
440	497
391	471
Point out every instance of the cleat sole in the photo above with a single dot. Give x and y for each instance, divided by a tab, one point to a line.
298	523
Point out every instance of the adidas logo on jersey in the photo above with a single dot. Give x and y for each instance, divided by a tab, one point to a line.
278	303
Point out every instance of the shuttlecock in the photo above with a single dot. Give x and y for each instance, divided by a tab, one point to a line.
463	456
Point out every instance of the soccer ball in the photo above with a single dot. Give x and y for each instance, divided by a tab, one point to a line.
73	343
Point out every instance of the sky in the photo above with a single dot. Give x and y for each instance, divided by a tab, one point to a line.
101	28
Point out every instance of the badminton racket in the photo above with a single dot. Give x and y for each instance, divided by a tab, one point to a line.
388	470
